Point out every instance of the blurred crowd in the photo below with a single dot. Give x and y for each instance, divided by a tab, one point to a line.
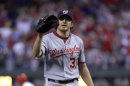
104	26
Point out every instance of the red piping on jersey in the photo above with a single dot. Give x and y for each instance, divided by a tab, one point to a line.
63	38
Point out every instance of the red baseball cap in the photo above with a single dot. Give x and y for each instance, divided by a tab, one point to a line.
21	78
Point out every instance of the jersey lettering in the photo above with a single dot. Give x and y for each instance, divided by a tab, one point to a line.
57	53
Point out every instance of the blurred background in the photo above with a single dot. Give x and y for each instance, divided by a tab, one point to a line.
104	26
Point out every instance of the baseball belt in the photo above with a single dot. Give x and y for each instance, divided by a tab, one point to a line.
63	81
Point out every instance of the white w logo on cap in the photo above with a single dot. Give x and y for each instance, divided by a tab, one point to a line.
65	11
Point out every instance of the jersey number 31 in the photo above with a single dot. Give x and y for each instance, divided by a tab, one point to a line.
74	62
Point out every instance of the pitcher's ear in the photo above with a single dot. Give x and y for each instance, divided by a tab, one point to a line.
71	24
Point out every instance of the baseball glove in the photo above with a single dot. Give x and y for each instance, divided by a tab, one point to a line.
46	23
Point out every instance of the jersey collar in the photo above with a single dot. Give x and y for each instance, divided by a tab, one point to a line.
63	38
55	33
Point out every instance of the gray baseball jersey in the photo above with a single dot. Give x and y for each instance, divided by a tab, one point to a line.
61	58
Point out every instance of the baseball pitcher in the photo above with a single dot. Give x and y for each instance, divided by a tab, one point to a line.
63	52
